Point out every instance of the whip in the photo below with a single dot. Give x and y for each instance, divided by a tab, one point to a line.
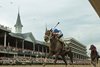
56	25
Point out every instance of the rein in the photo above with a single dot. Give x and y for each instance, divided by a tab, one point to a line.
49	36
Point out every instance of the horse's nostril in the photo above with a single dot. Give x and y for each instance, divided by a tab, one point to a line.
44	39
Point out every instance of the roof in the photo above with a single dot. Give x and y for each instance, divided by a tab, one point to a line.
5	28
71	38
40	42
17	35
26	36
29	37
96	5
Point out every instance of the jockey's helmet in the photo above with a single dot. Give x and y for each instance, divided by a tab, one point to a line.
56	30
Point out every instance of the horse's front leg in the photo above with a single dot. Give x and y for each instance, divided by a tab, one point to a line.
64	59
56	56
45	59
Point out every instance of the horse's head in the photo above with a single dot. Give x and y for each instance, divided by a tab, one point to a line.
47	35
92	47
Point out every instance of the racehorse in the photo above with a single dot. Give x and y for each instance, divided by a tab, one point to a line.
94	55
57	48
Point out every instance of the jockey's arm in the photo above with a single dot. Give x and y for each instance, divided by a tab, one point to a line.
60	32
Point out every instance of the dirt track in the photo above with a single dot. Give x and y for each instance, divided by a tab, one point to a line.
98	65
48	65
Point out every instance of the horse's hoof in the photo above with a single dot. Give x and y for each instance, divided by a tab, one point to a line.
43	65
65	65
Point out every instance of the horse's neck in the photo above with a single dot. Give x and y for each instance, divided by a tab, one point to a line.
94	53
53	42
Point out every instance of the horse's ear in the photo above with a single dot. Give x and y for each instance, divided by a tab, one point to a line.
46	28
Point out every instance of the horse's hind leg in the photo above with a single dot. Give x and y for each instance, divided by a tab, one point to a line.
64	59
94	62
97	60
71	57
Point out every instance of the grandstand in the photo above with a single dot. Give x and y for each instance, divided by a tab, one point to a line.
23	48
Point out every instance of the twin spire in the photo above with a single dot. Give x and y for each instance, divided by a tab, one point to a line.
18	26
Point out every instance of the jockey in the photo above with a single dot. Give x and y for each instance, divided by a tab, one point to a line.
58	33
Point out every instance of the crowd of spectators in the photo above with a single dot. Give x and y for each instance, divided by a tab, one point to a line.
29	59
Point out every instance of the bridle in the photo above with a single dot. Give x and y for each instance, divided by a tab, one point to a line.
49	36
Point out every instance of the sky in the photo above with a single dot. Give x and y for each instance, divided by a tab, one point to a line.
77	18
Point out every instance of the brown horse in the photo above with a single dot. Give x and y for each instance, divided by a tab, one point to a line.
94	55
57	48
